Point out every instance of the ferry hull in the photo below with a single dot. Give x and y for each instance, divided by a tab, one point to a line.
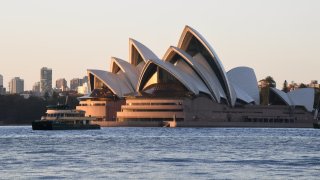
54	125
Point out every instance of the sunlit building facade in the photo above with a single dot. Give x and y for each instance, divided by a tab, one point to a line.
84	89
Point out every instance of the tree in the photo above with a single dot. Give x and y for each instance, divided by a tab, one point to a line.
46	95
270	81
14	109
264	96
302	85
54	95
285	86
316	98
265	90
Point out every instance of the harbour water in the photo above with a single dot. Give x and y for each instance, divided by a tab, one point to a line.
160	153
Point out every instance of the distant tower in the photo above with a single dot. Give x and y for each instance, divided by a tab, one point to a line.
16	85
61	84
2	89
75	83
45	80
36	89
1	80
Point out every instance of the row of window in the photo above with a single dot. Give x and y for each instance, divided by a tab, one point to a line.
64	115
152	104
149	119
152	110
270	120
96	104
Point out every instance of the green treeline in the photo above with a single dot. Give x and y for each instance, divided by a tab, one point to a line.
15	109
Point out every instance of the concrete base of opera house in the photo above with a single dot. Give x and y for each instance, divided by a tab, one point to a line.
202	112
129	123
238	124
203	124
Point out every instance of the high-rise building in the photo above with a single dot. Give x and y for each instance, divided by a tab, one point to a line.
1	80
16	85
2	90
36	89
61	84
75	83
45	80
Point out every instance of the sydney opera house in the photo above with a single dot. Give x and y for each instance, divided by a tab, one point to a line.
188	87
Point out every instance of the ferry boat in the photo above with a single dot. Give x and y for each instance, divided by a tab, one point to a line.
61	117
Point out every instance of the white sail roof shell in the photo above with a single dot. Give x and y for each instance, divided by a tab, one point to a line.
242	95
230	91
299	97
143	50
210	76
245	79
205	73
184	67
178	73
302	97
283	96
116	83
131	73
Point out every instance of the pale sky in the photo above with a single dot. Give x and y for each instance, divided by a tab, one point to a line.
280	38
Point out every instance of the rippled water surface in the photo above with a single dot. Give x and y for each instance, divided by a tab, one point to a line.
160	153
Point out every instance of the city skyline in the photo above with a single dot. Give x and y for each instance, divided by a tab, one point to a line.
276	38
54	84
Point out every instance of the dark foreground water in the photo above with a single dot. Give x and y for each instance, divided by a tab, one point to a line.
160	153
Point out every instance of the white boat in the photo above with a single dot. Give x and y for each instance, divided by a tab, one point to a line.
61	117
